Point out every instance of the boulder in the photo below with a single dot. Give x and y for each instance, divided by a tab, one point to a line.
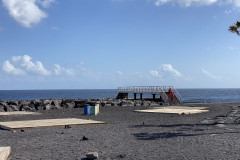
48	107
15	103
13	108
79	103
153	104
37	104
46	101
23	103
125	103
137	104
65	101
108	105
103	104
92	155
113	104
2	108
70	105
3	103
56	104
29	107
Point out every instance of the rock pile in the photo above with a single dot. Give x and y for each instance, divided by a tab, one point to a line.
50	104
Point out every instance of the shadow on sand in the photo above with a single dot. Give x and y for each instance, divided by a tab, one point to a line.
181	131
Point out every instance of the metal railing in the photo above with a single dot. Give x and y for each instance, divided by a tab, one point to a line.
150	89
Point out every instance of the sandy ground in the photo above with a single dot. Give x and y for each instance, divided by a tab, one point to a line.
141	136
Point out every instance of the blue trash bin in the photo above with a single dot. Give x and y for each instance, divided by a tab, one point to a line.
87	110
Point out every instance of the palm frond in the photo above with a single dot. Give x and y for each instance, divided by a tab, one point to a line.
238	24
234	29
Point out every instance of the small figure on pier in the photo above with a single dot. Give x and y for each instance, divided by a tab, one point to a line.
170	91
172	96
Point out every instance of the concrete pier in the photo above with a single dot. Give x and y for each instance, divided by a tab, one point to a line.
162	91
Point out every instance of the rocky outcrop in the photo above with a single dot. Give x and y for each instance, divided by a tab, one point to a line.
51	104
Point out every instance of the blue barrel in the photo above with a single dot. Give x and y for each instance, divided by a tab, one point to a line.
87	110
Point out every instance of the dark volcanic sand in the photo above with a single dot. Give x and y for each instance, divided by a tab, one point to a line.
211	135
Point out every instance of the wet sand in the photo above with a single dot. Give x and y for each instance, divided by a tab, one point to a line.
141	136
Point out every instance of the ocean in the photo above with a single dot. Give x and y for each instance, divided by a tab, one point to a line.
188	95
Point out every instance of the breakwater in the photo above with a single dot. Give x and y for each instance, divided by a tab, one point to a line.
51	104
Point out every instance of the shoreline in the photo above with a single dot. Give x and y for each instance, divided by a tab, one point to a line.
53	104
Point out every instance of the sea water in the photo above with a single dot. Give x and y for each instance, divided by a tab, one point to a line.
188	95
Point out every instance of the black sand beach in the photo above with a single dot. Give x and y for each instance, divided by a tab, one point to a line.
139	136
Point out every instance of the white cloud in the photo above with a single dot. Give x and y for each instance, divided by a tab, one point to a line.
119	73
228	11
206	73
155	73
58	70
10	69
26	12
45	3
188	3
235	2
23	65
167	68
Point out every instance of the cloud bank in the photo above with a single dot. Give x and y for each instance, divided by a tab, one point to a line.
188	3
166	70
209	75
23	65
27	12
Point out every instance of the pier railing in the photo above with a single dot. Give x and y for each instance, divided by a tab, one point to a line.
150	89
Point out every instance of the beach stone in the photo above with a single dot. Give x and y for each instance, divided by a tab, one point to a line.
137	103
67	127
12	103
103	104
84	138
79	103
2	103
46	101
97	102
37	104
65	101
13	108
2	108
92	155
122	156
108	105
23	103
8	108
29	107
113	104
153	104
70	105
56	104
47	107
124	103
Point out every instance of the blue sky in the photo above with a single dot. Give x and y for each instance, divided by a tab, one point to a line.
104	44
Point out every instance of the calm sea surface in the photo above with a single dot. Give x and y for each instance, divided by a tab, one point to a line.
188	95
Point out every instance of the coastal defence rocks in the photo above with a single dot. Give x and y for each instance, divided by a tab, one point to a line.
51	104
